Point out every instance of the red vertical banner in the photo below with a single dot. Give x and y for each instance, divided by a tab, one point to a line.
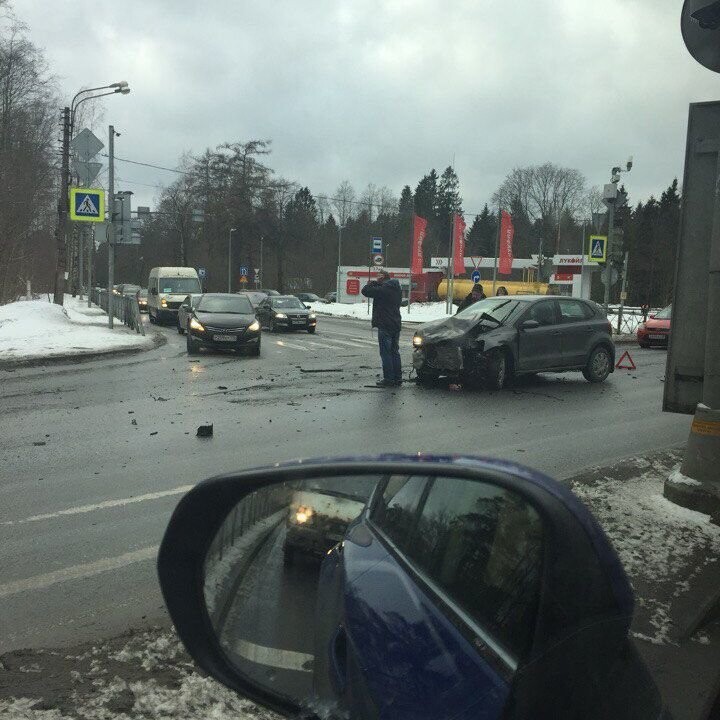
459	244
419	230
507	232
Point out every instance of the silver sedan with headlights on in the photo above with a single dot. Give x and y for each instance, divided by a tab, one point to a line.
223	322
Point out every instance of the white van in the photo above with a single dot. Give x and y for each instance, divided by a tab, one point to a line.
167	288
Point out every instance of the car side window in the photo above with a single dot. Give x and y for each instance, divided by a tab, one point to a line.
574	311
395	510
483	546
543	312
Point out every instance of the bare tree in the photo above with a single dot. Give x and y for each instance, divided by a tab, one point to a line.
344	202
387	201
369	200
27	161
544	192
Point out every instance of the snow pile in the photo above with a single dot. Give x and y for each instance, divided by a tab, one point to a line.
418	312
658	542
39	329
146	676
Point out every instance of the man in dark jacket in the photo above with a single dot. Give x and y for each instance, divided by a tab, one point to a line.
387	296
472	297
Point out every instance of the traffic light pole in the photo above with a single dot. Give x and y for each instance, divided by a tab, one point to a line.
608	264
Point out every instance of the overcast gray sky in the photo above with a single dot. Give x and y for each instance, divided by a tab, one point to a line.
382	90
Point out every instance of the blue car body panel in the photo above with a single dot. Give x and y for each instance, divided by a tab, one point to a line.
415	663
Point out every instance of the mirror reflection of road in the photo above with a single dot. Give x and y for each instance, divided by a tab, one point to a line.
268	629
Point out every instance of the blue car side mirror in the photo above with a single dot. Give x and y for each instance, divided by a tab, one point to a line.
404	587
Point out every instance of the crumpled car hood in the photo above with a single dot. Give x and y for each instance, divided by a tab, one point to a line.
454	328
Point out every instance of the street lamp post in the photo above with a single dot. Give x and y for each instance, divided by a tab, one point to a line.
68	119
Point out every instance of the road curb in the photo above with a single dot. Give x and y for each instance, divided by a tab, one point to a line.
158	339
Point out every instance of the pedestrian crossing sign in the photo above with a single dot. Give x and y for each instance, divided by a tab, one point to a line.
87	204
598	248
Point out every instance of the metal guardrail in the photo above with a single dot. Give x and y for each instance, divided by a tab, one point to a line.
627	321
246	514
125	308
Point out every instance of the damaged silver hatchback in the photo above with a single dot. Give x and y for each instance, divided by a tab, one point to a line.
500	337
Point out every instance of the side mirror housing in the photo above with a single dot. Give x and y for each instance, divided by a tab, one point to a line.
332	584
652	317
529	324
307	307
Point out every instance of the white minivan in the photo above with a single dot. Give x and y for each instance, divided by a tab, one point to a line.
167	288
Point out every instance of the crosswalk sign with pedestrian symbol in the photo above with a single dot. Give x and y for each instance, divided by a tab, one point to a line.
598	248
87	204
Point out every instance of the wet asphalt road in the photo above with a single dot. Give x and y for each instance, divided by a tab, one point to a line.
81	514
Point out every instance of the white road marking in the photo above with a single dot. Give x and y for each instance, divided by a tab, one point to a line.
274	657
341	342
181	490
77	572
284	344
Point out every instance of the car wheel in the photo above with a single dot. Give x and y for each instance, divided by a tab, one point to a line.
151	318
255	352
271	326
311	330
180	330
598	365
498	370
192	346
645	346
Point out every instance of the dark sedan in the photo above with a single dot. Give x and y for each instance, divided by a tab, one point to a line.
499	337
223	321
285	312
309	298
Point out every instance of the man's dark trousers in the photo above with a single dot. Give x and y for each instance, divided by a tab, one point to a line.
390	355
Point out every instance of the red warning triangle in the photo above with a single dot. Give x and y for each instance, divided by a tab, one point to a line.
620	366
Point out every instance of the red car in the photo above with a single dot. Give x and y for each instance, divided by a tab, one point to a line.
656	329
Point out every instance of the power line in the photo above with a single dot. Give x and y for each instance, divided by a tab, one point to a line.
191	173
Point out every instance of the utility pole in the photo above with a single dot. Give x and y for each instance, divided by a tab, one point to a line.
230	237
81	268
622	292
111	223
90	254
60	235
451	268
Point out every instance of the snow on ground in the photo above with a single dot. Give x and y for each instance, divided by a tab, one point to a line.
418	312
660	544
143	676
31	329
426	312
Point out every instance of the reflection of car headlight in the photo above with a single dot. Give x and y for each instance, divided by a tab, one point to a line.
195	324
311	316
163	302
417	341
280	316
254	327
303	514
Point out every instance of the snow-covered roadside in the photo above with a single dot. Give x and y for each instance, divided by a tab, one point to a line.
418	312
662	546
141	676
426	312
38	329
